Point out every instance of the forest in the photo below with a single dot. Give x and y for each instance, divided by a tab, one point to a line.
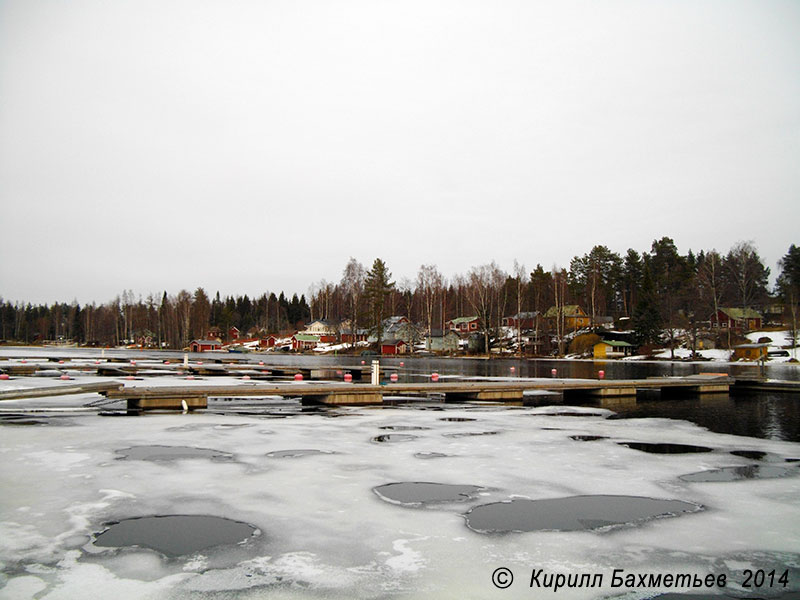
654	292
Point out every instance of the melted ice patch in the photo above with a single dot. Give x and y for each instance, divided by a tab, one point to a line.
175	535
419	493
662	448
296	453
426	455
575	513
394	437
167	453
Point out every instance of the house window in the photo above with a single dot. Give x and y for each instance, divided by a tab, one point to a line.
473	325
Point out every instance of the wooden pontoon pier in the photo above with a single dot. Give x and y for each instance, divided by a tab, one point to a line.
169	397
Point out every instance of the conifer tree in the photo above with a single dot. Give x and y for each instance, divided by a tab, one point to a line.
377	287
646	316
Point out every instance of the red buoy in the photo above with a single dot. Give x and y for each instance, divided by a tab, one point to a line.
245	376
298	377
601	374
348	377
65	377
553	372
4	376
434	377
393	377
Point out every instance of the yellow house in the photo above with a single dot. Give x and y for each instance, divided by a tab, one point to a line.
750	351
612	349
574	316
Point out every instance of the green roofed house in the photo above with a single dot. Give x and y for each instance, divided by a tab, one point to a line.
463	324
612	349
737	318
304	341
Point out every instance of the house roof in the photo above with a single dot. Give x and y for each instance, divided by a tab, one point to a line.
306	337
524	315
459	320
741	313
325	322
394	343
568	310
616	343
396	319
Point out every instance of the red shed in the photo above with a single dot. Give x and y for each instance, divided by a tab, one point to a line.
396	347
205	345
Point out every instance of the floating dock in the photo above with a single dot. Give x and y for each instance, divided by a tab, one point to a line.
359	394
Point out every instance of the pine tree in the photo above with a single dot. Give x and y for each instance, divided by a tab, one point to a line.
377	289
788	286
646	316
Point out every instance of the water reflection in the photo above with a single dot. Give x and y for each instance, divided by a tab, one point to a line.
763	415
740	473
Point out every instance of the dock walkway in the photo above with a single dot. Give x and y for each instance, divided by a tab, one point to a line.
196	396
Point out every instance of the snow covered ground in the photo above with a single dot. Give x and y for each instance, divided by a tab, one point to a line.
781	340
324	533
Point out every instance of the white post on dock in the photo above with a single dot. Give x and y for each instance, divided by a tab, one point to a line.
185	359
376	372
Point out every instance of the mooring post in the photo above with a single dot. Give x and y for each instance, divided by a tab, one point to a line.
376	372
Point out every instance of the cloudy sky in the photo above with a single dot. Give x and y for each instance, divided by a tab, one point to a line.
255	146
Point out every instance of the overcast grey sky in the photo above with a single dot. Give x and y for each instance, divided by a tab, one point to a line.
255	146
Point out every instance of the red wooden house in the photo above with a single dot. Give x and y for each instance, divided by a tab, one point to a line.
268	342
523	320
737	318
205	345
394	347
463	324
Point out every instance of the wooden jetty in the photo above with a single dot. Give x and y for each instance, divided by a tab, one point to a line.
99	387
196	396
220	367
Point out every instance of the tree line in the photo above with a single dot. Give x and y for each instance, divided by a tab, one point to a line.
660	291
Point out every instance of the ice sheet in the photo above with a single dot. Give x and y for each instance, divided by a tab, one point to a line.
325	533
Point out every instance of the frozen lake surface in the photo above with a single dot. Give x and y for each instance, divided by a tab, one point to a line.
375	503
